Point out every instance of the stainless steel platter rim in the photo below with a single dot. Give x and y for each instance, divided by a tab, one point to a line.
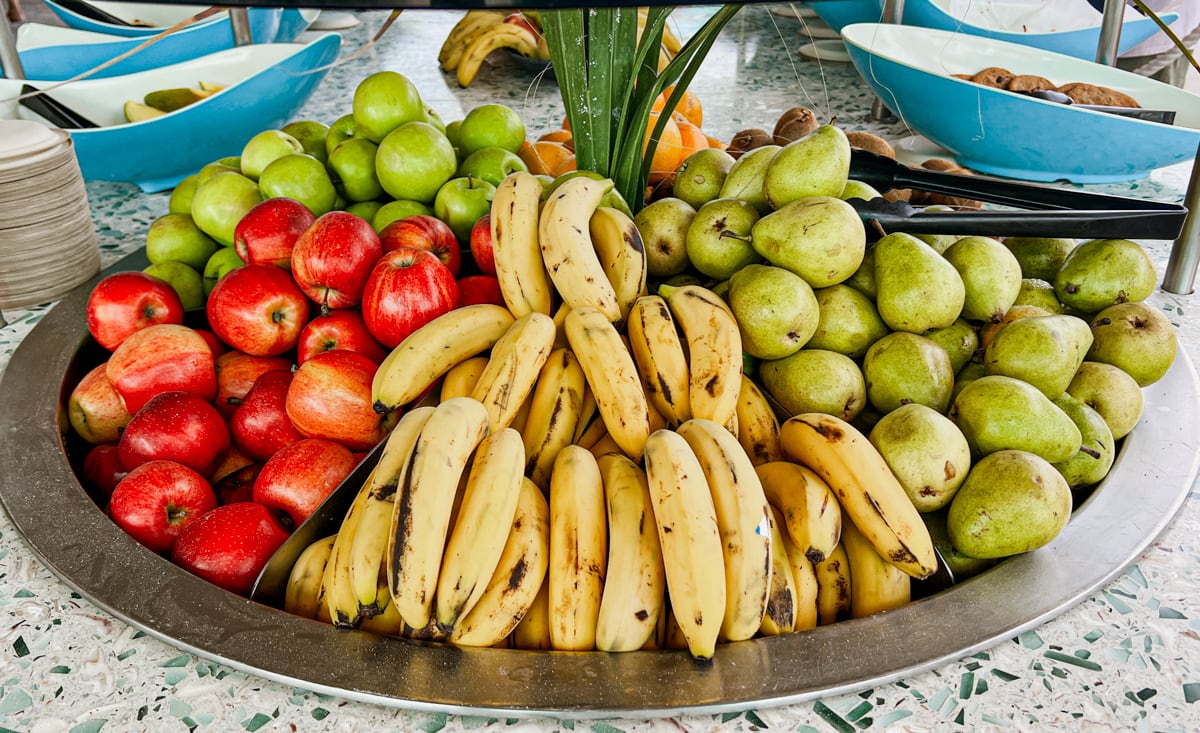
69	533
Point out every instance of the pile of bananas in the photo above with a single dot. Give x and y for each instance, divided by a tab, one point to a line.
592	458
479	33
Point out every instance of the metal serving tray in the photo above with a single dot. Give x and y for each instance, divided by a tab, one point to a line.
1149	482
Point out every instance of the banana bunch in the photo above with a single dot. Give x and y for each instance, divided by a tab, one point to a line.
480	32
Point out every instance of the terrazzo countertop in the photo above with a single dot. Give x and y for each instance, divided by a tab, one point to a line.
1127	658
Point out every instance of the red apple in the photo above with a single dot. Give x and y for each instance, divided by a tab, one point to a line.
407	289
157	500
481	245
236	373
298	478
423	231
179	427
125	302
103	470
234	460
518	19
266	234
330	398
334	256
340	329
216	345
237	486
475	289
258	309
260	425
162	358
229	545
95	409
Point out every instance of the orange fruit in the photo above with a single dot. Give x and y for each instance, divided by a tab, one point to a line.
562	137
546	158
688	105
668	153
692	138
716	143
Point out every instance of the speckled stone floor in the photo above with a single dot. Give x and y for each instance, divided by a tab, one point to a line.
1126	658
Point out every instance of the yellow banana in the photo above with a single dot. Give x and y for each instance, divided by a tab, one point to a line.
302	596
811	513
341	603
805	575
690	539
513	367
622	254
833	587
875	584
533	632
612	377
635	580
604	446
714	351
590	426
780	617
433	349
462	378
757	425
471	24
387	620
660	357
578	549
869	492
555	406
744	520
524	282
424	502
493	38
489	502
369	542
567	249
521	571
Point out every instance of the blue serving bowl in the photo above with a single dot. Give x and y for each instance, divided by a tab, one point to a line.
1009	134
265	86
266	24
840	13
1079	42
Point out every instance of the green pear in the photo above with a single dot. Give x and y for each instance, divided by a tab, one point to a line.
1044	351
1136	337
1035	291
820	238
701	175
776	310
814	380
960	566
1040	257
960	340
848	322
1011	502
817	164
970	371
663	225
996	412
918	290
938	242
990	273
858	190
1096	453
718	238
863	279
903	368
745	177
1111	392
1103	272
927	452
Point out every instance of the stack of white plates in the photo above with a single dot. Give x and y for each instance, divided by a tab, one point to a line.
47	238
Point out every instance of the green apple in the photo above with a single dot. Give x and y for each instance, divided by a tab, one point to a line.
491	124
365	209
451	132
222	261
340	131
176	237
433	118
352	167
311	135
264	148
460	203
181	196
414	161
395	210
301	177
384	101
492	164
186	281
209	170
221	202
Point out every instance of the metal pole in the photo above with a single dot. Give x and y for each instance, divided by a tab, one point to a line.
10	63
239	21
893	12
1110	32
1180	275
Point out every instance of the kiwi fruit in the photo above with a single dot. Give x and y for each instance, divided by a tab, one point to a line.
746	140
794	124
869	141
957	202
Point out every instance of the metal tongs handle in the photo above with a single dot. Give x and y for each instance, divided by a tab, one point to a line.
87	10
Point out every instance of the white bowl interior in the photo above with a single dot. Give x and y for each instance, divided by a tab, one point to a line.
40	35
147	14
1026	16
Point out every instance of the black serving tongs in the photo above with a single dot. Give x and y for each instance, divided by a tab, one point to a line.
53	110
87	10
1056	212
